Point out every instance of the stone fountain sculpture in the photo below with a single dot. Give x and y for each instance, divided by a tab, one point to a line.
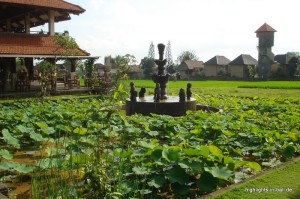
160	103
161	77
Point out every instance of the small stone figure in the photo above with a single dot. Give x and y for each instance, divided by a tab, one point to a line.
132	87
188	91
157	92
181	95
133	93
142	92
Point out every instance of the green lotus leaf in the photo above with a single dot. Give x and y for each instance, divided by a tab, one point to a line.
6	154
140	170
170	154
254	165
156	154
192	152
177	174
24	129
10	139
207	182
23	168
215	150
157	181
288	152
187	164
80	130
222	173
204	151
179	189
36	136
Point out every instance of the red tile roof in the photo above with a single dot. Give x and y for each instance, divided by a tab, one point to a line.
55	4
265	28
26	44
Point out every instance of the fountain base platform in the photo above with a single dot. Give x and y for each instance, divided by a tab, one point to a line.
170	106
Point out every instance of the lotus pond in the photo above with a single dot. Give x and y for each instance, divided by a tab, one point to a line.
88	148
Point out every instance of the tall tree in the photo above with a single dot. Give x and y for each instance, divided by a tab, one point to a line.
131	59
151	53
292	66
121	64
187	55
169	55
293	62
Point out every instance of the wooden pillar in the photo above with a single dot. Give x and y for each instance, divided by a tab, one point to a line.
2	75
8	25
73	65
51	22
29	66
27	23
12	64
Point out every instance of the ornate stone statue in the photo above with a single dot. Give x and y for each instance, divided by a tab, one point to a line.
157	92
181	95
132	87
188	91
142	92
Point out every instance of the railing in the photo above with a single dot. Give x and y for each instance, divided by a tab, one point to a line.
34	33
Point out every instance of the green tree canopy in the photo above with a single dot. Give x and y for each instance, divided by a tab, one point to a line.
187	55
292	66
148	66
121	64
293	62
68	44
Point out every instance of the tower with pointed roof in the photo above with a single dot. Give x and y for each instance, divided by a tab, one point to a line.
265	36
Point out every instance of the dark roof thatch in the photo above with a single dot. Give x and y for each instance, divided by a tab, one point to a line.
218	60
281	59
244	59
191	65
265	28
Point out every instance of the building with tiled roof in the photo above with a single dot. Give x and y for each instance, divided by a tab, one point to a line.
215	65
187	69
17	17
239	66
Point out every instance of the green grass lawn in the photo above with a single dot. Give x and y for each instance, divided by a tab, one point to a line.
226	84
234	88
283	183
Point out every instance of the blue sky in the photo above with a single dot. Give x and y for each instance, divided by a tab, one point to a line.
206	27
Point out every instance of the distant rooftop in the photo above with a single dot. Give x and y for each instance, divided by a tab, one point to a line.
265	28
193	64
218	60
244	59
281	59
